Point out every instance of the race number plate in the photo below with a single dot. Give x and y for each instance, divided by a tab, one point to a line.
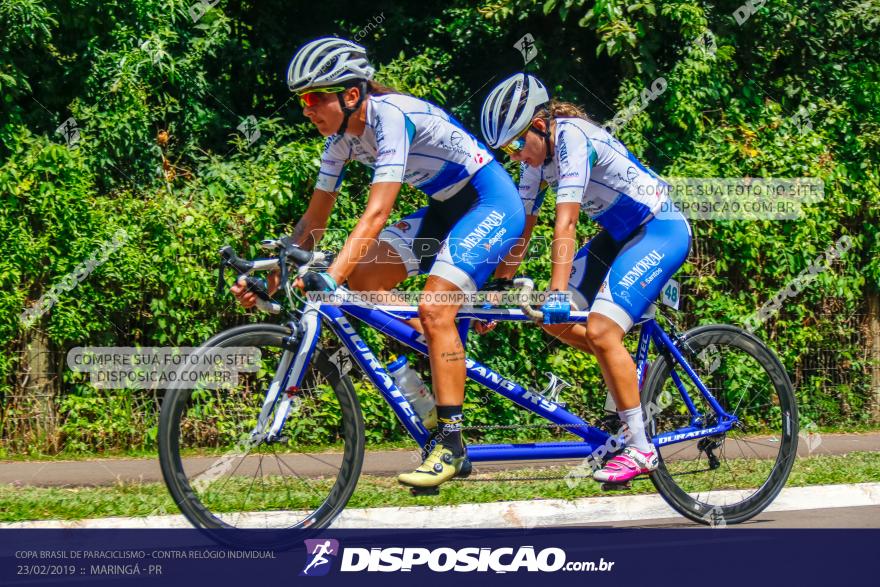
671	294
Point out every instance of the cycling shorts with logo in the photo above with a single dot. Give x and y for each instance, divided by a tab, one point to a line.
621	279
464	238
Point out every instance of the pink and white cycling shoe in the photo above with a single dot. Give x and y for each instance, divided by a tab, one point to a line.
627	465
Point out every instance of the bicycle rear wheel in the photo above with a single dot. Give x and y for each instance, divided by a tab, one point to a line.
730	477
221	478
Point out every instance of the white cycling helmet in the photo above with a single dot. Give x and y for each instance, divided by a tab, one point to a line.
328	61
510	107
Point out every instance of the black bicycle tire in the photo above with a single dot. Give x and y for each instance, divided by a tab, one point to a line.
353	424
697	339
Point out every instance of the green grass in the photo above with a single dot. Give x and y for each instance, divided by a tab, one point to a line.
131	499
407	444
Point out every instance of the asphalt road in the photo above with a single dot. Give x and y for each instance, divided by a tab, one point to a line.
110	471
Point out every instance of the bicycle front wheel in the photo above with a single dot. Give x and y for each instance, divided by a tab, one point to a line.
731	477
221	477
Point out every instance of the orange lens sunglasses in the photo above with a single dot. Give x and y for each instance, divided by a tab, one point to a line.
313	97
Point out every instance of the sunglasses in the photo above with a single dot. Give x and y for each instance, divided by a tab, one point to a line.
517	144
313	97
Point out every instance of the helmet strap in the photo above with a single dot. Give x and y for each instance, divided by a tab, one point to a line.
346	111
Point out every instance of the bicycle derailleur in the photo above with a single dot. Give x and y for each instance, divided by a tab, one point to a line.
709	445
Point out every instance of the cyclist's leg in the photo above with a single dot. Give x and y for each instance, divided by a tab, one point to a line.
384	270
445	347
634	282
392	259
589	268
475	245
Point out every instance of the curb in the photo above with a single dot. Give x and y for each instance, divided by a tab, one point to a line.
521	514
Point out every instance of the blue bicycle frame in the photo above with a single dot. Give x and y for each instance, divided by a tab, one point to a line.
389	321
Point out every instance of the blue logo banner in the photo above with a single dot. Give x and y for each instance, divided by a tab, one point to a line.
595	556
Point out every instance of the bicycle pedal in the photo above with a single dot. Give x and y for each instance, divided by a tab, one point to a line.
419	491
617	486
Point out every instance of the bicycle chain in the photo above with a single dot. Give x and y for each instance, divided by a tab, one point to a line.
522	426
338	357
518	426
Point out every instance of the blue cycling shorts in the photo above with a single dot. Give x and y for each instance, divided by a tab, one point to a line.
463	238
621	279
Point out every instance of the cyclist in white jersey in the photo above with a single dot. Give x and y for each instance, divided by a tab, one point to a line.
620	273
473	218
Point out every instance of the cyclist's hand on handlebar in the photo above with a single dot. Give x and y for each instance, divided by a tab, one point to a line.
314	281
247	298
481	327
557	308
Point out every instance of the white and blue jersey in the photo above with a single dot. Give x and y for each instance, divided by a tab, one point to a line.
474	216
410	141
594	169
622	270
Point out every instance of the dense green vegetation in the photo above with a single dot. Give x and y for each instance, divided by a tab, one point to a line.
793	91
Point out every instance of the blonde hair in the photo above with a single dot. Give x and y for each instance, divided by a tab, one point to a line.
559	109
377	89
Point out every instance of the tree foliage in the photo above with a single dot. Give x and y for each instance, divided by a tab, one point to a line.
793	91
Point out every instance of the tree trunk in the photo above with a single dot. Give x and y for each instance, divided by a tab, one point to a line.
39	388
873	348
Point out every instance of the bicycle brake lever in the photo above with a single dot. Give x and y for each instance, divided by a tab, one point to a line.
282	262
221	280
226	253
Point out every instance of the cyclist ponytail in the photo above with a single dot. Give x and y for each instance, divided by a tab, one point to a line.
559	109
551	111
376	89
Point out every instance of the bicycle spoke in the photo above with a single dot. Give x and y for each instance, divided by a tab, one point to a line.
305	480
749	441
743	386
247	494
269	484
240	461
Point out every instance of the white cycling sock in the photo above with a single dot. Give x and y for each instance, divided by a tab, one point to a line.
636	424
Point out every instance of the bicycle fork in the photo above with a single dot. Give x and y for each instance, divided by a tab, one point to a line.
288	378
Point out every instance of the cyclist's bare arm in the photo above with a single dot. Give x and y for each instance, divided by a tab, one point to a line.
507	268
564	244
366	231
307	233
